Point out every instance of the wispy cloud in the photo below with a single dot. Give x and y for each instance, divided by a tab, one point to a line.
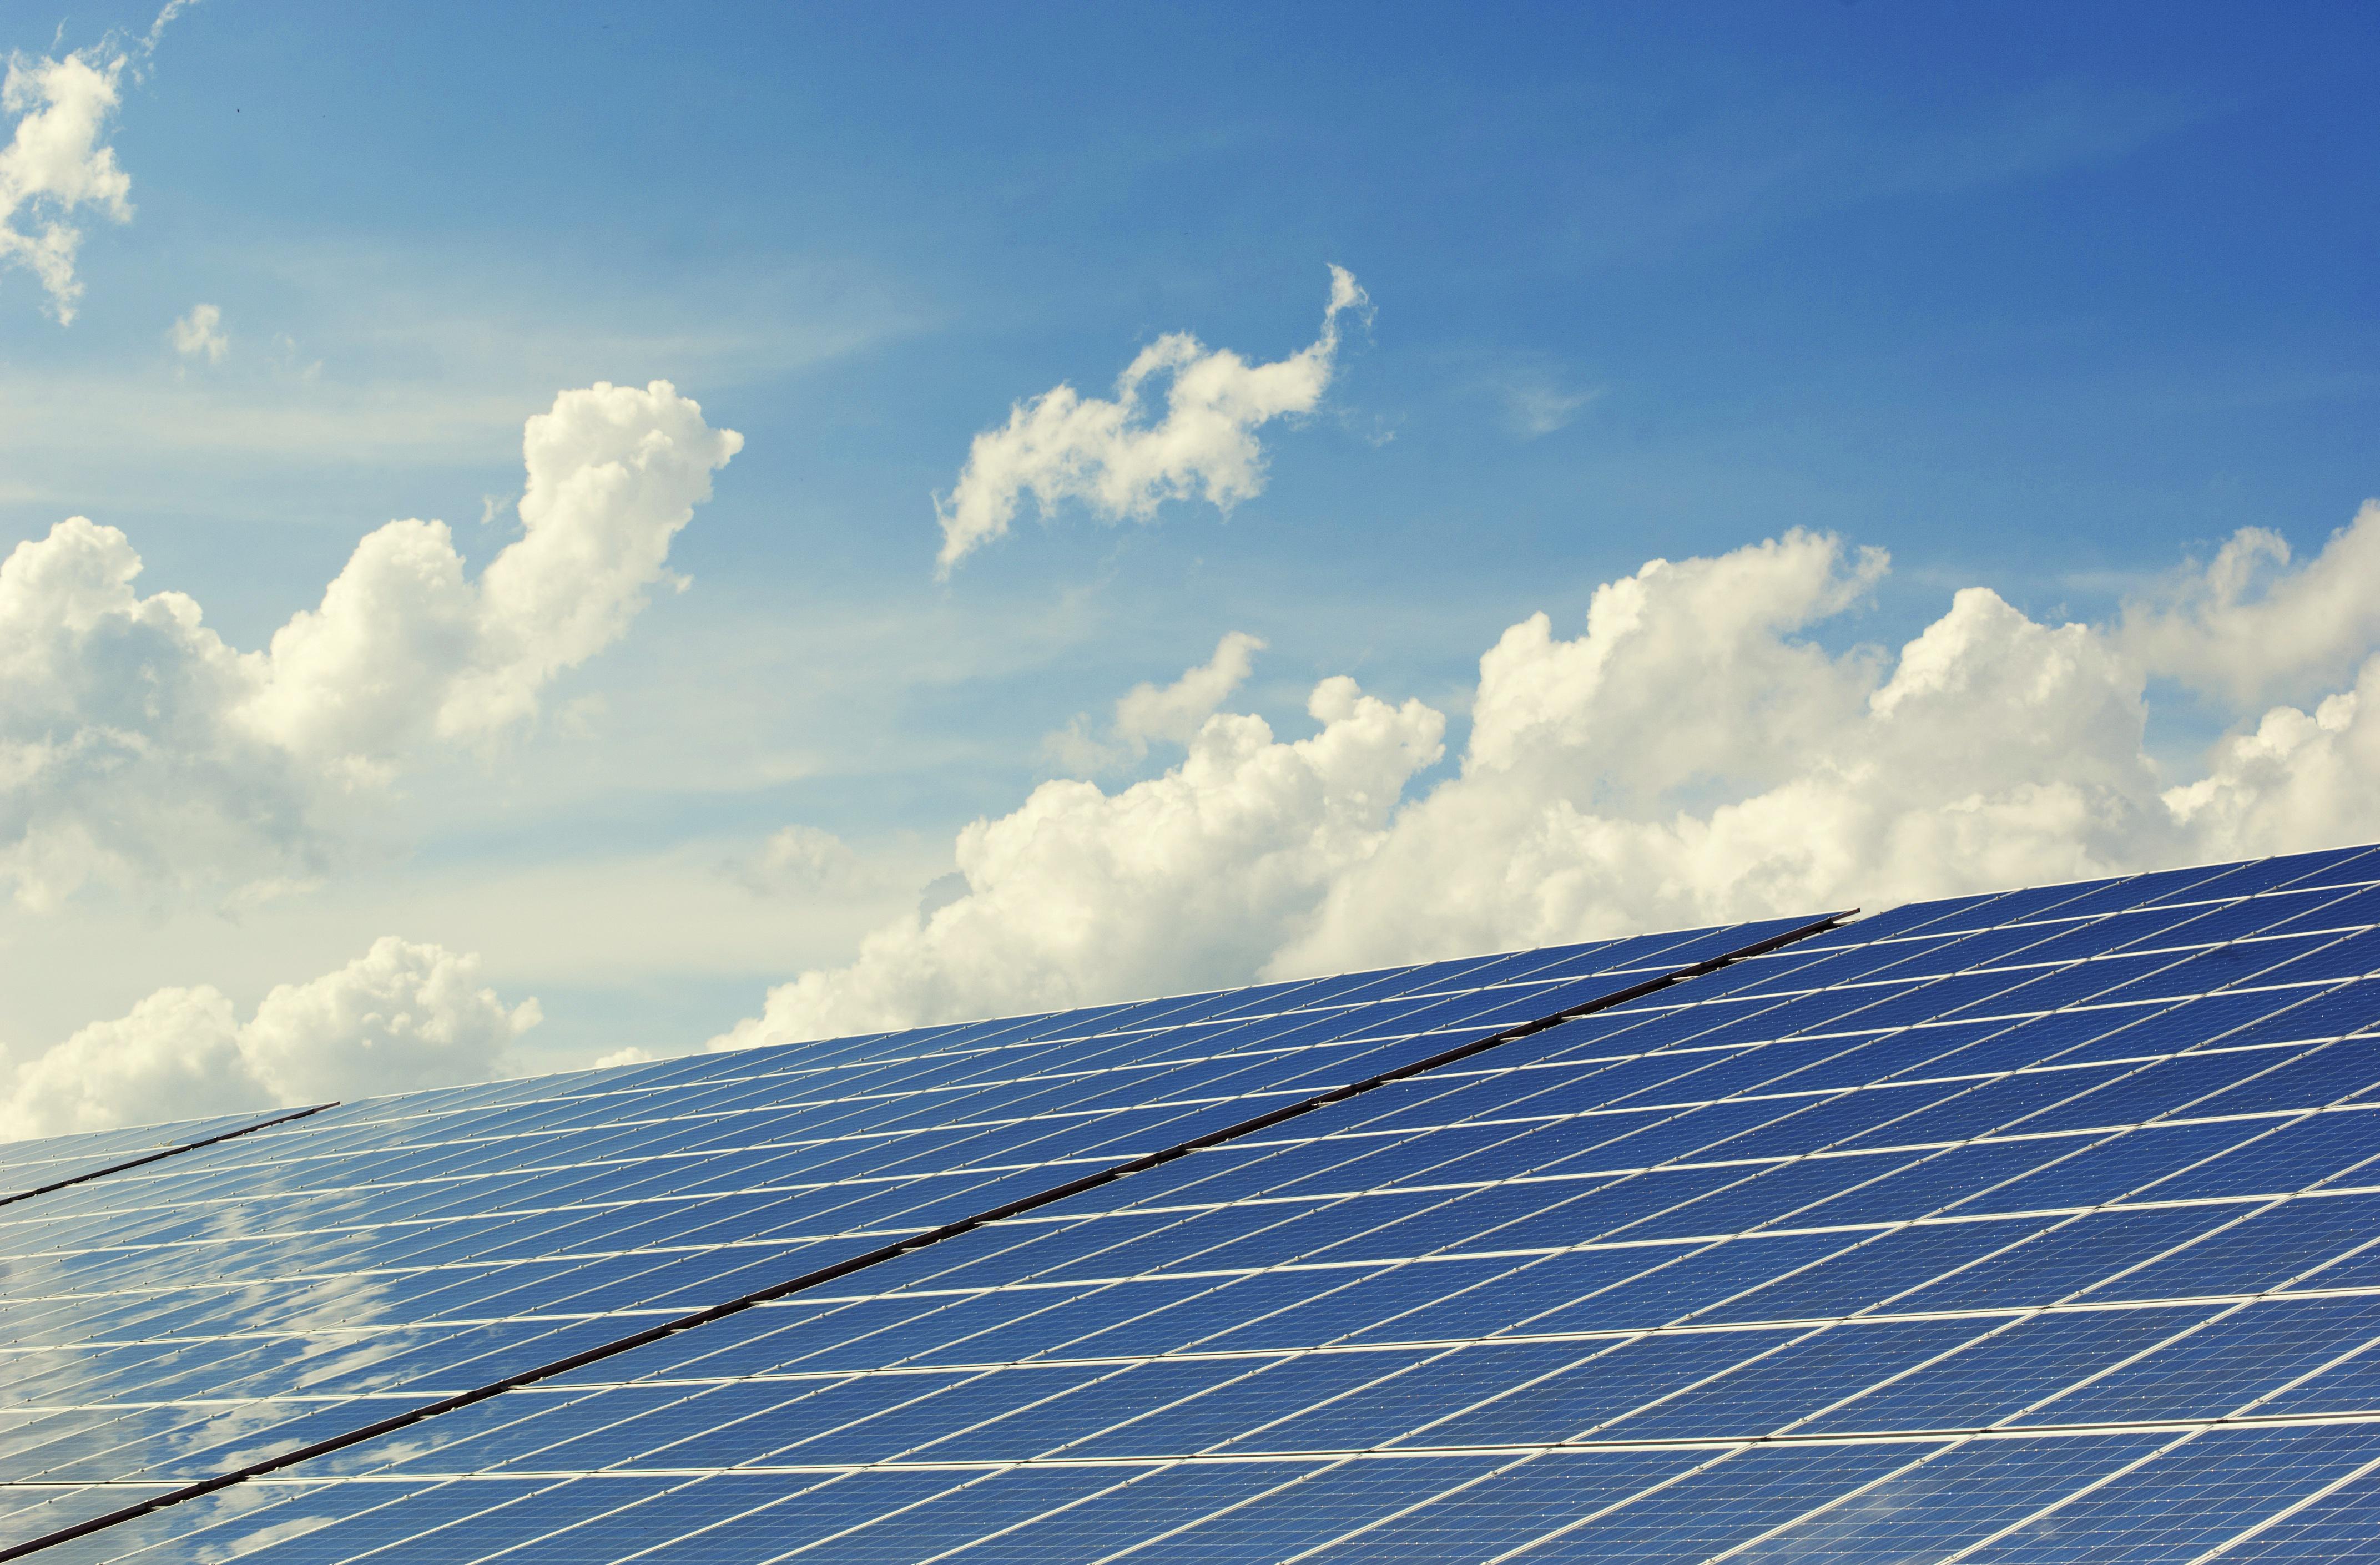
1701	178
1106	455
345	355
1157	714
1537	402
58	164
200	334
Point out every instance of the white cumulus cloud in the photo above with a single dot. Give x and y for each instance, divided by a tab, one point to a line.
1111	457
1729	768
400	1017
1691	754
2295	779
200	334
136	746
2246	627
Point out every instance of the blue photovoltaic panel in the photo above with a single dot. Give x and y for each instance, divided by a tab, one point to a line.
2042	1227
30	1168
179	1320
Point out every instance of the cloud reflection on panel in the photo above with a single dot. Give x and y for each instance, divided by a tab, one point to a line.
1691	756
275	1360
139	749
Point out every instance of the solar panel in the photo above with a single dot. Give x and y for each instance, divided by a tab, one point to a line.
35	1168
238	1300
2042	1226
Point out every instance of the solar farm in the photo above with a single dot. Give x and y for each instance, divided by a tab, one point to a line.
2034	1227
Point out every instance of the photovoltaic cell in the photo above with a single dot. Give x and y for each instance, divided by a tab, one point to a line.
2040	1226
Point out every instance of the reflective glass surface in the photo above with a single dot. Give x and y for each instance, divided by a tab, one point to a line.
2029	1228
229	1303
27	1168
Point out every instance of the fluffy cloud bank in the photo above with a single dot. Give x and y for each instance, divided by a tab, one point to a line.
1691	755
399	1016
1107	455
1194	877
2244	627
137	746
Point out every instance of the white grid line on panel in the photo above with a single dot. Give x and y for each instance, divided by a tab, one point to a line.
2302	1503
1600	1512
1688	1245
2093	1486
1377	1522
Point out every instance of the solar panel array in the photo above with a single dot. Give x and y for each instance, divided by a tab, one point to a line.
200	1313
2029	1228
36	1168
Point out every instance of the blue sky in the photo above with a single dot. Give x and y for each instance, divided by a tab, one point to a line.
2046	299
